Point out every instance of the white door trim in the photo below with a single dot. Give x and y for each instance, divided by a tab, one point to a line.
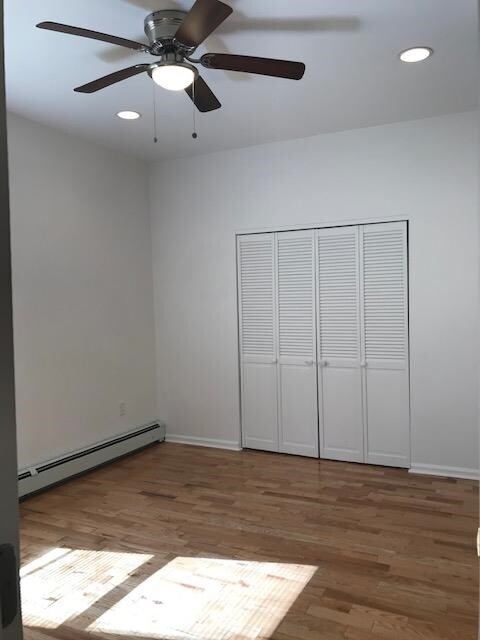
322	225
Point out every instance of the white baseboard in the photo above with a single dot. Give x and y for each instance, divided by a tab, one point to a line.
231	445
449	472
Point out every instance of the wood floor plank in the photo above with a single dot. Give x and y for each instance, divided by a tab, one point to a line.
179	542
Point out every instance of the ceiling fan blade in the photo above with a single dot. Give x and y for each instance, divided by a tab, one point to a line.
249	64
203	18
94	35
112	78
205	100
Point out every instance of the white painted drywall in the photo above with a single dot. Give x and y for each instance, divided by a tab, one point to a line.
426	170
83	310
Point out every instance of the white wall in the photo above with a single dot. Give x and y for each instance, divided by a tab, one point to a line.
426	170
83	297
83	313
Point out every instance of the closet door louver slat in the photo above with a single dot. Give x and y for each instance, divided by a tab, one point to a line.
338	320
257	297
338	294
258	341
297	345
384	295
296	295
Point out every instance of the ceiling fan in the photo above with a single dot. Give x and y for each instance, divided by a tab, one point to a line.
173	36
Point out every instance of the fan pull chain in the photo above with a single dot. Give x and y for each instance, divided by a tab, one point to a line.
155	138
194	134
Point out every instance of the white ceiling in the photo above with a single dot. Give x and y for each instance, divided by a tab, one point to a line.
353	79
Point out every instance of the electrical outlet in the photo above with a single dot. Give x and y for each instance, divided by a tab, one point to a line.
123	408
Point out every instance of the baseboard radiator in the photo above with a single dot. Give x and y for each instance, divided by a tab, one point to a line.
36	478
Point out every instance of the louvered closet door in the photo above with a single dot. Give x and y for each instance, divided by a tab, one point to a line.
258	340
385	320
298	416
338	317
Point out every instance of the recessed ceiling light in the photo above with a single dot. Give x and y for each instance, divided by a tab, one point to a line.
128	115
416	54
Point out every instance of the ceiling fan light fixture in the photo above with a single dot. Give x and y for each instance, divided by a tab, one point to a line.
173	35
174	76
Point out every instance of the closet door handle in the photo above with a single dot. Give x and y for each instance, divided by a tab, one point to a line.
274	361
310	363
363	365
323	363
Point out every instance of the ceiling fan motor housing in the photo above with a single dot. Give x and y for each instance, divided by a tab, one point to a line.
161	27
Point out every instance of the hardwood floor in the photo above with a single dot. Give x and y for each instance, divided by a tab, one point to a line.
180	542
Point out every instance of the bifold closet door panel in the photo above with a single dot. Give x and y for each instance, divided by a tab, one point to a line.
385	320
338	317
297	376
258	341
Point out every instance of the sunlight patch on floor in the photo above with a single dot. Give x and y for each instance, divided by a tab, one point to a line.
207	599
44	560
63	583
130	595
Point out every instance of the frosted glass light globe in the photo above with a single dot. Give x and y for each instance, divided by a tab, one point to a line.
173	77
